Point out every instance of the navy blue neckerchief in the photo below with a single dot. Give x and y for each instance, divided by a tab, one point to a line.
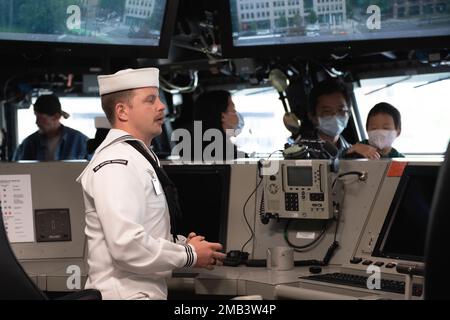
170	191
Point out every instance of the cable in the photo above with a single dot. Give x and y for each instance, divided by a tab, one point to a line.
361	175
245	215
171	88
338	220
270	155
260	164
335	244
261	208
262	205
308	246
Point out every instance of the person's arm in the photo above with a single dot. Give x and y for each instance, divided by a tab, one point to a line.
120	202
364	150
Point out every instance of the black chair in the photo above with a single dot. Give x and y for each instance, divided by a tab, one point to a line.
437	252
15	283
93	144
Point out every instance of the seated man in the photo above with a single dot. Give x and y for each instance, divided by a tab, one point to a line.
52	141
329	112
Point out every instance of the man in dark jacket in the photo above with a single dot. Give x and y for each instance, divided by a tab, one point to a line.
53	141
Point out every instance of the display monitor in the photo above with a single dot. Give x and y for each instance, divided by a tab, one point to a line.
404	230
340	26
144	25
204	194
437	255
300	176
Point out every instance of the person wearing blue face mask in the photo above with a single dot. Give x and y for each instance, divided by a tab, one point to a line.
329	112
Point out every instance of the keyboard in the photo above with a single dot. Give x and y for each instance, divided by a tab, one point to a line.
353	280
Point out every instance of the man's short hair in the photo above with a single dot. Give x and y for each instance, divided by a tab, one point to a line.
110	100
327	87
384	107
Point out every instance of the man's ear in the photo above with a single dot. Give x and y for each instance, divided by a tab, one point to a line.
398	132
122	111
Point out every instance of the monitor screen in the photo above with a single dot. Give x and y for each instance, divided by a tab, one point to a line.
118	23
341	23
203	191
437	256
299	176
404	230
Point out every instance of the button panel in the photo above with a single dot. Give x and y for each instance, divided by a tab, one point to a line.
316	197
356	260
391	265
291	201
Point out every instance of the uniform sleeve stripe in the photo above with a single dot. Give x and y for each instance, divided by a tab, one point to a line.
190	256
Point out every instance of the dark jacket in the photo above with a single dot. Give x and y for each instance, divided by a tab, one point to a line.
72	146
342	144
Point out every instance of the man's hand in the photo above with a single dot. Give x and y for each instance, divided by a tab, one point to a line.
193	235
365	150
208	254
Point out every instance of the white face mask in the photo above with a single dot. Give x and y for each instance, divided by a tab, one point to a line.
237	128
240	125
382	138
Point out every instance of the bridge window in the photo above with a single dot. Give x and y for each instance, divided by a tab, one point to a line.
423	101
82	113
264	131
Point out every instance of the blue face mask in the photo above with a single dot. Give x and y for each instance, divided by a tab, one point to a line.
333	126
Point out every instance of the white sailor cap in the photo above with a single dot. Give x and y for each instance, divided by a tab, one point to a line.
128	79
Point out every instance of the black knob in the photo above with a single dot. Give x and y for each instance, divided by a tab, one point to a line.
315	269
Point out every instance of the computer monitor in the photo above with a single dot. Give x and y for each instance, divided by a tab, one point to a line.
204	193
311	28
437	254
90	26
405	227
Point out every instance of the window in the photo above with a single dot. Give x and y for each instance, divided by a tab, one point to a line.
425	110
264	131
82	114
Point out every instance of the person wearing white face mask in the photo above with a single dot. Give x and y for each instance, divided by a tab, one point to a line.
216	110
329	112
383	127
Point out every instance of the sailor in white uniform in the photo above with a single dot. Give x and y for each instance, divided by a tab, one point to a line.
130	206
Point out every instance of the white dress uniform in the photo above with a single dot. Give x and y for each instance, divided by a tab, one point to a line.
130	253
